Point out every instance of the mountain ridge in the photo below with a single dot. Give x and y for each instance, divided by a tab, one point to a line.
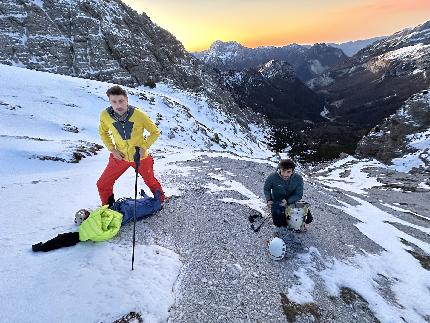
308	61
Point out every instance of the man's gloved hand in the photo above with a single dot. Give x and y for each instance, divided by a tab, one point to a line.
269	204
284	202
117	154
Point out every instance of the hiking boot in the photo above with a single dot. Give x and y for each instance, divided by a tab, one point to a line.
37	247
111	200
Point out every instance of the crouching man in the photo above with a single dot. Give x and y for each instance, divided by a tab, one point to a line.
282	188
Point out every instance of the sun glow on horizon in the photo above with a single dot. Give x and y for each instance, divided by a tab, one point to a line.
197	24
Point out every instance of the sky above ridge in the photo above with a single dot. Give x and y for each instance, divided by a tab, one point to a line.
198	23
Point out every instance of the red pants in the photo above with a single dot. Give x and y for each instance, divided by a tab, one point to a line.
115	168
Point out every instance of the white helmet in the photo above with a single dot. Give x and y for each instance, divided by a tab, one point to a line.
277	248
81	215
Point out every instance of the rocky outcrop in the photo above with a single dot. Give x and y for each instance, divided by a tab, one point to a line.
103	40
405	132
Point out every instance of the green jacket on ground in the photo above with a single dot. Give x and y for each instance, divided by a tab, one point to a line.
276	188
102	224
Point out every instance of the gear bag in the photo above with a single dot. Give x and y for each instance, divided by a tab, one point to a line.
293	216
145	206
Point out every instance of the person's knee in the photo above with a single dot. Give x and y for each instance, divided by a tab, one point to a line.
148	176
102	183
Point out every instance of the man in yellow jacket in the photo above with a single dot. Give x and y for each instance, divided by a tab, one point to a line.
121	130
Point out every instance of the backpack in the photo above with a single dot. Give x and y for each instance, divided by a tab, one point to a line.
297	215
294	216
145	206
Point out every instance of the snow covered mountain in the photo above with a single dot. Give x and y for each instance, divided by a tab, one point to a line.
402	39
350	48
376	82
403	139
371	87
308	61
102	40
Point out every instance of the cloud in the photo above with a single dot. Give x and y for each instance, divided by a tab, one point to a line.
396	6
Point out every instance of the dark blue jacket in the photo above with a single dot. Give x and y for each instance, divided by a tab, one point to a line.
276	188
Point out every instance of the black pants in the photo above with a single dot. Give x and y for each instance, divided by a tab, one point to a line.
278	215
62	240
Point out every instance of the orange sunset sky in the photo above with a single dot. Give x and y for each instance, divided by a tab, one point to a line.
198	23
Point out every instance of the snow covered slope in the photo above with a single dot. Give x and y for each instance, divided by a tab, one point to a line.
50	161
51	117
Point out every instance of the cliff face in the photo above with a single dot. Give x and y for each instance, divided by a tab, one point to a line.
103	40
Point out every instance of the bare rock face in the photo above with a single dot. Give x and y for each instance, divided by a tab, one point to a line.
103	40
393	138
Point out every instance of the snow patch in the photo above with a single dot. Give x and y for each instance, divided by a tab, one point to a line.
348	174
408	280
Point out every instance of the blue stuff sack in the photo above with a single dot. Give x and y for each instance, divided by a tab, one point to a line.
145	206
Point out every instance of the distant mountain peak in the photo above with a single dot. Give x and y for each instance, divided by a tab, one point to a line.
350	48
219	44
307	61
274	68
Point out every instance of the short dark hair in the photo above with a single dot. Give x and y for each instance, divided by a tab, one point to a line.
116	90
286	164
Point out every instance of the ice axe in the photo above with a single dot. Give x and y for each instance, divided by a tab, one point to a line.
137	163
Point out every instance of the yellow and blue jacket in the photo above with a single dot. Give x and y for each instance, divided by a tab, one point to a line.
127	134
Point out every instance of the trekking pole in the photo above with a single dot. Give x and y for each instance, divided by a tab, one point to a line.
256	229
137	163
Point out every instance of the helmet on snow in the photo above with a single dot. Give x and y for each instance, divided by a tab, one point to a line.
81	215
277	248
